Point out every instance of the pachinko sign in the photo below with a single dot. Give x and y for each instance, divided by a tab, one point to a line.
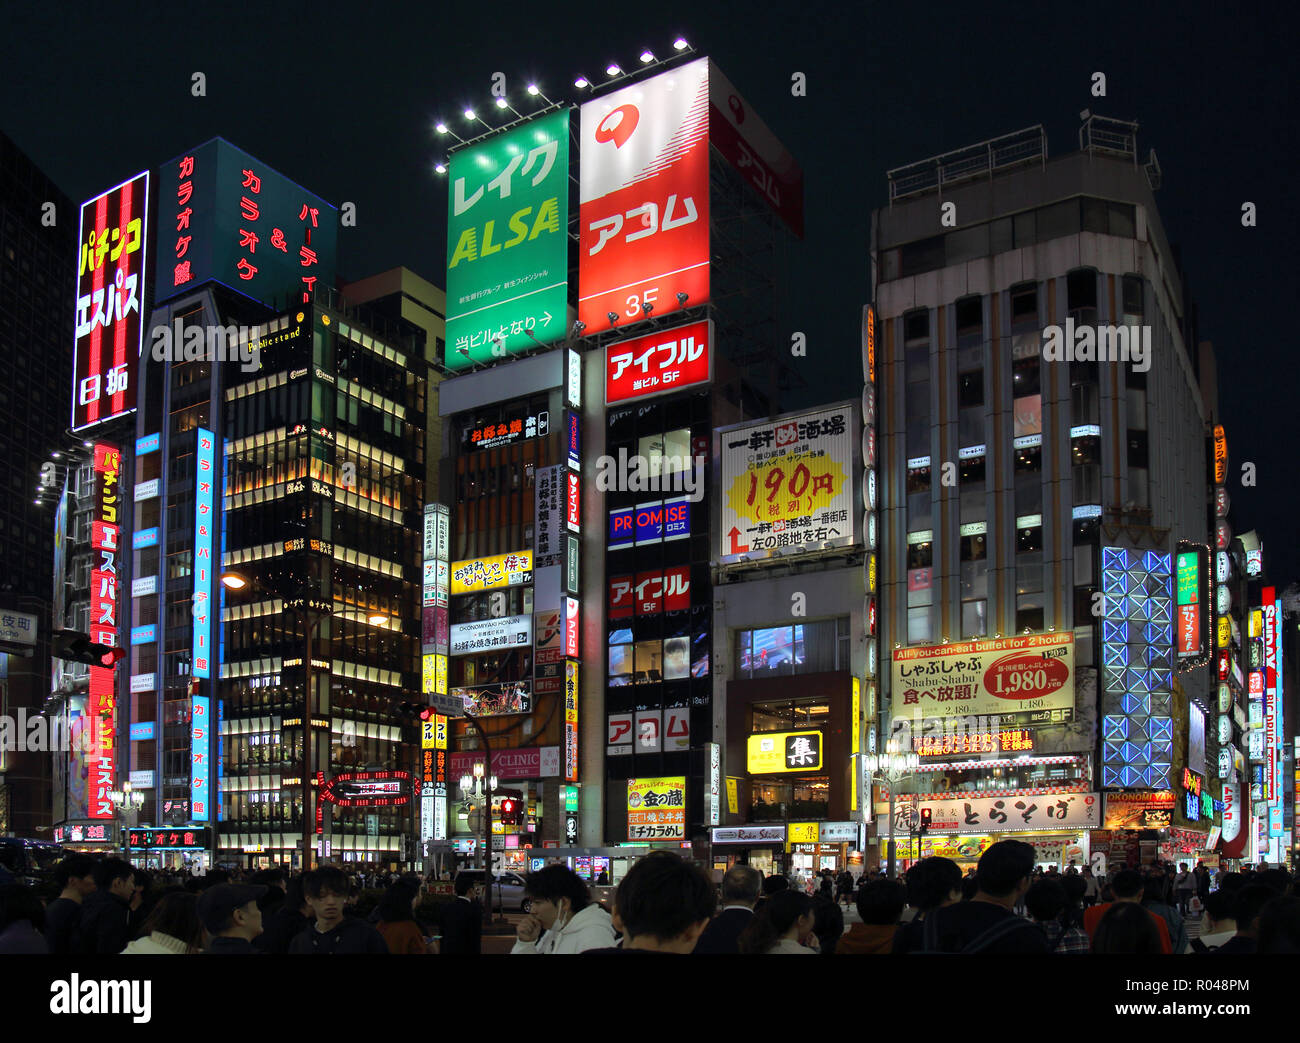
105	530
1029	675
110	302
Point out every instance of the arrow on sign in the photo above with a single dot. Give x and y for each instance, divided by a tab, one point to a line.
736	548
547	318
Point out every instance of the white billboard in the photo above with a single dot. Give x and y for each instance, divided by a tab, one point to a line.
489	635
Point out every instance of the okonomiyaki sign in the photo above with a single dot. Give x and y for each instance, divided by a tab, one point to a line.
1013	675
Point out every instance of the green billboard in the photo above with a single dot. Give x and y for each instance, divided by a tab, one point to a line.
507	243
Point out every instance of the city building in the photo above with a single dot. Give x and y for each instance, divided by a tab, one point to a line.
1042	459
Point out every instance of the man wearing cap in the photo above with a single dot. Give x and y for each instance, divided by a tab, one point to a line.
231	915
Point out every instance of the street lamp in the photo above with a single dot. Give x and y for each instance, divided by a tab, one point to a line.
123	800
480	788
890	767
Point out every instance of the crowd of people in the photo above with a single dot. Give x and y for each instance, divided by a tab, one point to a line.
666	904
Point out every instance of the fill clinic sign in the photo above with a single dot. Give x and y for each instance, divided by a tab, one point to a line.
507	243
109	323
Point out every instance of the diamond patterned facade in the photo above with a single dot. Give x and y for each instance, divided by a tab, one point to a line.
1137	649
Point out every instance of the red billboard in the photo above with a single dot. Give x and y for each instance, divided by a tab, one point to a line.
105	530
659	363
571	628
110	302
644	199
736	131
649	593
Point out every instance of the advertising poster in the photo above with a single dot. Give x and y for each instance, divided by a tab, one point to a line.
644	198
1031	677
500	570
496	700
659	363
788	483
656	808
507	243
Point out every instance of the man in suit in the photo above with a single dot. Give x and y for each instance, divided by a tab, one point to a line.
462	921
740	888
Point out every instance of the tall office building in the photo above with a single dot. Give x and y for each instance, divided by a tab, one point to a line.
1042	462
37	257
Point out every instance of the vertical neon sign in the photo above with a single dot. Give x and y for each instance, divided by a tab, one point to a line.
205	461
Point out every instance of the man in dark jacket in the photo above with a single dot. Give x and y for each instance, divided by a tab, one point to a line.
461	920
75	876
740	888
231	915
334	934
1246	908
287	922
106	913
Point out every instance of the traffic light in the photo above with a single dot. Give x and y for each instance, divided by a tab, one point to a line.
925	821
508	811
73	647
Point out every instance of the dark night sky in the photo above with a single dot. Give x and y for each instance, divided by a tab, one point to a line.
342	97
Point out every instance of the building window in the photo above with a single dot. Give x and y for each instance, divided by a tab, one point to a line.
974	618
1081	289
920	573
1132	289
1029	480
974	566
919	630
972	490
918	497
803	648
970	316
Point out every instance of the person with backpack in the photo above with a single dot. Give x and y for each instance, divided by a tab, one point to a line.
1050	908
987	925
844	887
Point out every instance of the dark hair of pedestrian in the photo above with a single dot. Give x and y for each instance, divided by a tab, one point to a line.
1231	882
73	867
551	883
17	903
775	884
1126	928
662	896
177	916
111	869
930	881
1218	905
1278	879
1153	889
214	877
1003	866
1127	883
881	902
1045	900
464	881
1249	902
969	886
1075	888
828	924
327	879
741	883
395	906
1279	926
778	914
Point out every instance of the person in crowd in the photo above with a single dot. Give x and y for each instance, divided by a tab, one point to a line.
75	876
105	926
932	883
142	900
969	888
172	928
662	906
1247	904
232	917
281	927
1126	928
987	924
603	879
740	887
21	918
1155	890
772	885
782	926
844	887
880	904
461	920
1217	924
826	885
1091	889
1184	887
274	882
828	924
395	920
1075	889
1050	908
333	934
562	919
1279	927
1278	879
1128	888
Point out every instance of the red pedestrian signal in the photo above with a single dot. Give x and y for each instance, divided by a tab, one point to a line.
109	659
926	814
508	811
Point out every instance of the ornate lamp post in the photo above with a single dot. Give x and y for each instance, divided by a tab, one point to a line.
891	767
126	799
480	788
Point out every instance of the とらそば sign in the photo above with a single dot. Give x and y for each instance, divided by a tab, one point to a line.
788	484
656	808
501	570
659	363
973	814
1021	675
781	752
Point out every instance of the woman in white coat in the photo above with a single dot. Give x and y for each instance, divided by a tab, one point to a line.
562	917
173	928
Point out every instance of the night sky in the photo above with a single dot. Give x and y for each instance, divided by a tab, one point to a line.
342	98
